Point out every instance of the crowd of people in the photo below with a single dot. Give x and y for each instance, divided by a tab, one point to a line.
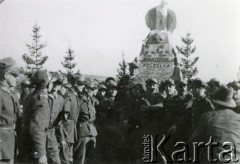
61	118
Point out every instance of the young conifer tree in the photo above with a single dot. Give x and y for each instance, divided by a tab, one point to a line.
35	59
69	63
189	70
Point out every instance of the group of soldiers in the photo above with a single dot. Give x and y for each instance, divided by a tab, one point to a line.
61	118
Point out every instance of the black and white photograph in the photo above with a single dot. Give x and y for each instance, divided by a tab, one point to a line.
119	81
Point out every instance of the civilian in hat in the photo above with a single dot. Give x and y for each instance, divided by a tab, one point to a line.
222	125
86	130
36	118
213	86
201	103
8	109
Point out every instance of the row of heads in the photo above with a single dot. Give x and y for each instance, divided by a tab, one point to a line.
41	78
195	83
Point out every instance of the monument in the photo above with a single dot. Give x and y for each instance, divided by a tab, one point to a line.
157	57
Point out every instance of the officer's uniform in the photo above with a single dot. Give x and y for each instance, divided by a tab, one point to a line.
86	130
69	126
9	111
56	107
8	114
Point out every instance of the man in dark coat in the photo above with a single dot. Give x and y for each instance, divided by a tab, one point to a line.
36	118
220	126
8	109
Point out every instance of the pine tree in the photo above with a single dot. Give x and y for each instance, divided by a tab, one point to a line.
69	63
122	71
187	50
35	58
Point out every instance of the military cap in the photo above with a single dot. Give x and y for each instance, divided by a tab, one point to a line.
137	81
89	83
26	83
78	79
133	65
112	84
169	81
151	80
235	85
199	83
65	83
57	77
214	82
102	86
109	79
40	78
9	64
182	82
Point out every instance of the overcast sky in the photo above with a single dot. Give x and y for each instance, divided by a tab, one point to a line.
99	30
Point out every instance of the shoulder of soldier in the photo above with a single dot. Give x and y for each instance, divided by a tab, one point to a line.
40	95
94	99
61	97
82	98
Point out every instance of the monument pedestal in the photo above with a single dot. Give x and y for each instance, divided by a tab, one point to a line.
156	57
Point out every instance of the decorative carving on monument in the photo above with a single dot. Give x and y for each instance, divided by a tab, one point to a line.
157	57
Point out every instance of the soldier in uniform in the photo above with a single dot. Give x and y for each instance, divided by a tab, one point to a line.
101	92
86	131
154	107
107	106
177	108
108	119
55	133
213	86
36	118
26	89
72	105
201	103
8	110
